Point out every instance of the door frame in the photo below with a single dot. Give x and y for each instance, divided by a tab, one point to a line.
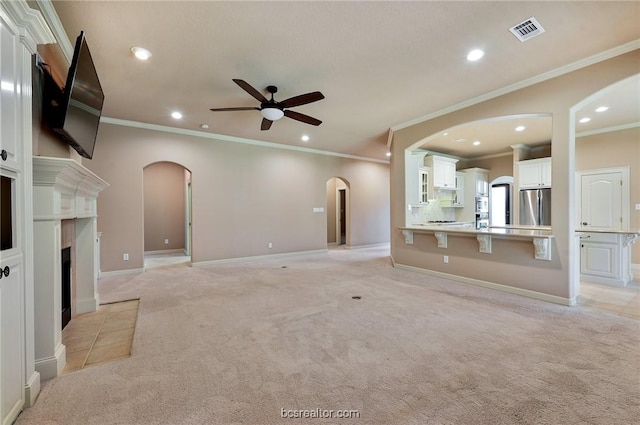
626	191
342	184
504	180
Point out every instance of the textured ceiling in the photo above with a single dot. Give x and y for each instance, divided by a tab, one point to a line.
379	64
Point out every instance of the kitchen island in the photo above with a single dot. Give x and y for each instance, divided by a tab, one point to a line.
540	237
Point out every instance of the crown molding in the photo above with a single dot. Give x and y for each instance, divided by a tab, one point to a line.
53	20
608	129
32	27
233	139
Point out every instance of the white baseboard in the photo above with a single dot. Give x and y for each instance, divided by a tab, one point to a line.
86	305
491	285
375	245
166	251
50	367
121	272
32	389
256	258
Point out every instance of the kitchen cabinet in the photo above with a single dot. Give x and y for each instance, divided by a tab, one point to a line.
534	173
423	185
443	171
605	258
457	200
475	182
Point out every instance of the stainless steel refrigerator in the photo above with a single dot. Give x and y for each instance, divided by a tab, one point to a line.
535	207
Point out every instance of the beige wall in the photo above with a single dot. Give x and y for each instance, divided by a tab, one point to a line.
615	149
512	263
243	195
164	206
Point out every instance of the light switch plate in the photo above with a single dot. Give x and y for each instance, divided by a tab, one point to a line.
637	207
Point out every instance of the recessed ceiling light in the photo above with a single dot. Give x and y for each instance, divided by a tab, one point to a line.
585	119
141	53
388	153
459	140
520	128
476	143
475	54
177	115
445	134
602	109
305	138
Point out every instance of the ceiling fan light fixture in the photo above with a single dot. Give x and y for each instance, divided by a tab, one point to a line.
272	114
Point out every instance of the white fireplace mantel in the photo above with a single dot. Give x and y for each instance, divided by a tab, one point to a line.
62	189
66	189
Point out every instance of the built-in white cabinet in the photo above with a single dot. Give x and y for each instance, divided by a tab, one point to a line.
423	185
534	173
605	258
474	183
443	171
457	199
21	30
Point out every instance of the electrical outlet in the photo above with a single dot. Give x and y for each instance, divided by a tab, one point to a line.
446	259
125	256
270	245
166	241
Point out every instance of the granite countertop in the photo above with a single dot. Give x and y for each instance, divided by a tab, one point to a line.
608	230
515	232
520	226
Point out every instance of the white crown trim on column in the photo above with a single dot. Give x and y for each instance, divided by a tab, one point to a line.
33	28
60	35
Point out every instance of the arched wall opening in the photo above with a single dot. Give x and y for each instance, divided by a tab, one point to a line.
600	153
491	146
338	217
166	213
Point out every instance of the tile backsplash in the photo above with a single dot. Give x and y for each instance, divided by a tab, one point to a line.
433	211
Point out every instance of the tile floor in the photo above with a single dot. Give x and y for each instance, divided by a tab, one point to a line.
100	337
158	260
623	301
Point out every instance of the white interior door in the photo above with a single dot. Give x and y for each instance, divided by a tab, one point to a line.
601	200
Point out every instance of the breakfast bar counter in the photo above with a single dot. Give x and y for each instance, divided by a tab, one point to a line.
540	237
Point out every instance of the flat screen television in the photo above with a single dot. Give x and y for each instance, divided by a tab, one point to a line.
75	114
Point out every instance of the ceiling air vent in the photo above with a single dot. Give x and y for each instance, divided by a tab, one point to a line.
527	29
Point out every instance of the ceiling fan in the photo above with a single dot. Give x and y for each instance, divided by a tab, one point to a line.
272	110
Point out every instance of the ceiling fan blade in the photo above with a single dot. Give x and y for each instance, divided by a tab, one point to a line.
303	99
266	124
302	117
241	108
249	89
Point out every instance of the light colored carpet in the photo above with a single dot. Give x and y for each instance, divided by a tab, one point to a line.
235	344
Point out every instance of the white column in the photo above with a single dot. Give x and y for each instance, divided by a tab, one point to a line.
50	354
87	298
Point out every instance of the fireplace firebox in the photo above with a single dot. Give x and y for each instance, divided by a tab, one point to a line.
66	286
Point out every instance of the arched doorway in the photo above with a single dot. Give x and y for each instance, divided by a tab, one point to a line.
501	201
604	138
167	214
337	212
